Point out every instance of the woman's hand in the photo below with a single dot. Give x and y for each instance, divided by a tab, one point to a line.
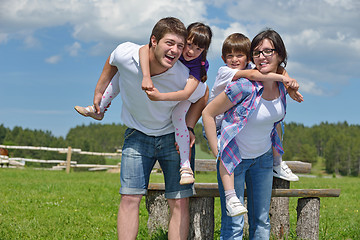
296	95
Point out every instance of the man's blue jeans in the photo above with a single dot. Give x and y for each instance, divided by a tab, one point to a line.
258	175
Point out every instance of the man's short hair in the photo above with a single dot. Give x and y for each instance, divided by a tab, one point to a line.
168	25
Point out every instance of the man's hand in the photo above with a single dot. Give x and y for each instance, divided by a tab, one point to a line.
97	99
192	142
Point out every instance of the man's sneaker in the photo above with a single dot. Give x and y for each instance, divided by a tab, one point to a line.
284	172
234	207
89	111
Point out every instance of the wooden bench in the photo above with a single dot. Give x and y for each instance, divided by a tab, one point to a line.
202	205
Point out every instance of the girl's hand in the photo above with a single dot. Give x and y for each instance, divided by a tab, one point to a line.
153	94
290	83
147	84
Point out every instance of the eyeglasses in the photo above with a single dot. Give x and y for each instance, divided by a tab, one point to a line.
265	52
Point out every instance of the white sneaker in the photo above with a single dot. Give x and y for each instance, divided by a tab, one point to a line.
234	207
284	172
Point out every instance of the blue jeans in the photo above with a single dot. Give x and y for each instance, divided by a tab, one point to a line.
139	155
257	174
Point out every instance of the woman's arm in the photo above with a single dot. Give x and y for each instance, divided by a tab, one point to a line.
217	106
181	95
147	83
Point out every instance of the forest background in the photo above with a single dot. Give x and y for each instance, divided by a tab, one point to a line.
335	145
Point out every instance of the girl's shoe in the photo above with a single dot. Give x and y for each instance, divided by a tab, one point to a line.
89	111
186	176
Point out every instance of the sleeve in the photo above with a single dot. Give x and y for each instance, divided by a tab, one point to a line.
238	90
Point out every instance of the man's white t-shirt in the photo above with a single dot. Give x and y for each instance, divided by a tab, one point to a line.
138	111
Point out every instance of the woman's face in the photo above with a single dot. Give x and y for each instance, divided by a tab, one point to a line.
268	60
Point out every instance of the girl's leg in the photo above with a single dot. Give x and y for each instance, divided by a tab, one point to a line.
110	93
182	138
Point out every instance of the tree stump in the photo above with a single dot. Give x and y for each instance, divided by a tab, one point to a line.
308	216
279	210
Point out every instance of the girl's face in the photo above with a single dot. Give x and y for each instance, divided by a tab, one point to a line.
235	60
191	51
268	60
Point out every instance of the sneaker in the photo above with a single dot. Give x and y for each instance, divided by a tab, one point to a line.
89	111
186	176
234	207
284	172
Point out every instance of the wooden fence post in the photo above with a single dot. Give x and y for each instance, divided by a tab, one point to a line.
68	160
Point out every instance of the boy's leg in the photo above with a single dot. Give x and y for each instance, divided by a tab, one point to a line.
137	162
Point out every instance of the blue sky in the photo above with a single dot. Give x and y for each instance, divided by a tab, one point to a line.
52	52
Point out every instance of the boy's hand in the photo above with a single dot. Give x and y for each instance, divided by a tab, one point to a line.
290	83
296	95
153	94
147	84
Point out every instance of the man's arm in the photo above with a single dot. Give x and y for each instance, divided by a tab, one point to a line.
107	74
194	113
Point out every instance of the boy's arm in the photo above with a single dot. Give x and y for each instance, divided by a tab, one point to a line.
147	83
180	95
107	74
255	75
293	93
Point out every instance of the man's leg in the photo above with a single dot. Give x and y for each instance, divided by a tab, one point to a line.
179	218
128	217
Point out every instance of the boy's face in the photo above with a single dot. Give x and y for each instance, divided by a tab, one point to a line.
167	50
235	60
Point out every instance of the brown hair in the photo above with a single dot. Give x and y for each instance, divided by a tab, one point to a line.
168	25
236	42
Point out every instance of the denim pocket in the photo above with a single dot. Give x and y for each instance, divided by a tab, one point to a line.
129	132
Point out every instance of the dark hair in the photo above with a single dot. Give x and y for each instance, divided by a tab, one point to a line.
200	35
276	40
168	25
236	42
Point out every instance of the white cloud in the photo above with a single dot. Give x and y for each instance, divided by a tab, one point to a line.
53	59
74	49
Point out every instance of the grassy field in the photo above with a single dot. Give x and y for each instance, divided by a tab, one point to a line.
39	204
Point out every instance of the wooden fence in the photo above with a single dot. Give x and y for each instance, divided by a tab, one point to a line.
17	161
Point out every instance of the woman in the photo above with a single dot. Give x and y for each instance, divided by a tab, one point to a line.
248	133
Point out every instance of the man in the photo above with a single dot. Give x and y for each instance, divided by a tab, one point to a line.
150	133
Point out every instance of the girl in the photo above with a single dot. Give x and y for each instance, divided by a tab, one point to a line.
193	57
248	132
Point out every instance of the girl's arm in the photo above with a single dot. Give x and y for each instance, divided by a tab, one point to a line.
255	75
217	106
181	95
147	83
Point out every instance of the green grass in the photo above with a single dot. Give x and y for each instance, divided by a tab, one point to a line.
38	204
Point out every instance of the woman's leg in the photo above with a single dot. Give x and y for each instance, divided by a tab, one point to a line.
259	186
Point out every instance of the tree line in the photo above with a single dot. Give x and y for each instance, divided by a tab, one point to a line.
337	144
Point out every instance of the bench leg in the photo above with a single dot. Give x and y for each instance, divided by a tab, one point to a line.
308	215
279	210
201	218
158	210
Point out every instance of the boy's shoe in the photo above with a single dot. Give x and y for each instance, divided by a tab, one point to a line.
89	111
234	207
284	172
186	176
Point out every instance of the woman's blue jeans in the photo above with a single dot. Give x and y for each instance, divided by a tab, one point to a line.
258	175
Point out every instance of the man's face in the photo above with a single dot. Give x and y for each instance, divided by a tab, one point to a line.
168	50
